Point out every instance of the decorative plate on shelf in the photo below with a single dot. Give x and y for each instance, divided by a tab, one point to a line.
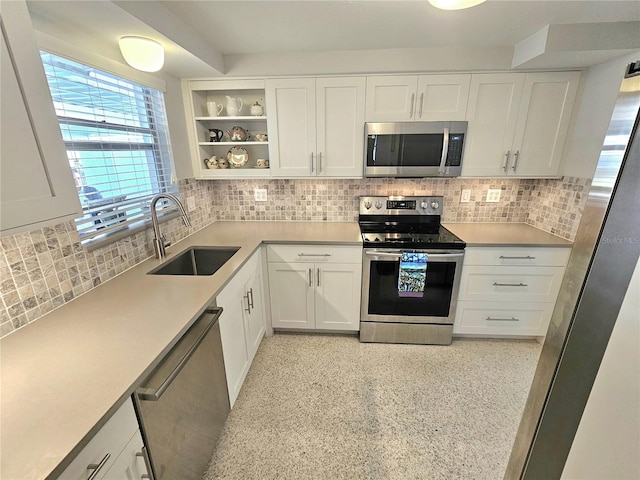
238	157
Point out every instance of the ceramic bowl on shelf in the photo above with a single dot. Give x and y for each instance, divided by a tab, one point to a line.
237	157
261	137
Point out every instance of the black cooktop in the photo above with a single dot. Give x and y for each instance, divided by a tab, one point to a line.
441	238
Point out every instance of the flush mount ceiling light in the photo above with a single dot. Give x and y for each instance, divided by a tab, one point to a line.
142	53
455	4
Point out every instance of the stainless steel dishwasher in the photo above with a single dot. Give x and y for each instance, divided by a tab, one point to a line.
184	403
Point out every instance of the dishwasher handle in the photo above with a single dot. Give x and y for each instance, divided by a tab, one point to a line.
154	394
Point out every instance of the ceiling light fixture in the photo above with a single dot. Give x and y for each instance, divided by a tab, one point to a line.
142	53
455	4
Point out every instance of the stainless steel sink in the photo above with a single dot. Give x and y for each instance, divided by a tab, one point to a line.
196	261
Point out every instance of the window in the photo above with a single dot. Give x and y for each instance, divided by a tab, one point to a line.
117	141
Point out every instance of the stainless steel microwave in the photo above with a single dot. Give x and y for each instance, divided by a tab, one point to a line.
414	149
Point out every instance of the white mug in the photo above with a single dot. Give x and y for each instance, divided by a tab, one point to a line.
214	108
262	163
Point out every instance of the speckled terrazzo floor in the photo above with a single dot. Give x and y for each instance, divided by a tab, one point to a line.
329	407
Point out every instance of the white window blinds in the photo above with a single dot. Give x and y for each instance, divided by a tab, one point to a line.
117	141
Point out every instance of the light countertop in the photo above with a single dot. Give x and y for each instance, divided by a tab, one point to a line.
66	373
505	234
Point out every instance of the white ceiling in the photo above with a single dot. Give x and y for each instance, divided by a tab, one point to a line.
217	37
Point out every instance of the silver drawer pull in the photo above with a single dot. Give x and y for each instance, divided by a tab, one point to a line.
147	463
528	257
251	297
314	254
494	319
96	467
496	284
248	307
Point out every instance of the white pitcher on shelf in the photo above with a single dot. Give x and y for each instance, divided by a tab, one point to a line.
234	106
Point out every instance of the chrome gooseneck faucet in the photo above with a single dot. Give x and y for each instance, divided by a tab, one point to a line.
159	240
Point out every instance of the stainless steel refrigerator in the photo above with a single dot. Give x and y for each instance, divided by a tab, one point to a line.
602	261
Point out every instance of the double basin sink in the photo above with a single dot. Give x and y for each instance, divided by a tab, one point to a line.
196	261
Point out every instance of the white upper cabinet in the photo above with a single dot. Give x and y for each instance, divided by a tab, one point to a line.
37	186
292	129
409	98
317	129
518	123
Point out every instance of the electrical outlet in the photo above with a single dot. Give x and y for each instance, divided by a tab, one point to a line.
260	194
493	195
191	204
466	196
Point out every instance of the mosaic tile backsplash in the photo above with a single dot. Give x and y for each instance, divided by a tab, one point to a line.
43	269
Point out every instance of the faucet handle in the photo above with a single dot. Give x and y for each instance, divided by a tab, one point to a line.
164	240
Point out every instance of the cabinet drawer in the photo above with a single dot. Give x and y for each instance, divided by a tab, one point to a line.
111	439
496	318
510	284
526	256
314	253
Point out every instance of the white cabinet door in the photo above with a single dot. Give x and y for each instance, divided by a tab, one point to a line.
130	464
105	446
292	295
443	97
292	126
234	347
36	187
254	318
543	122
340	122
391	98
338	296
494	100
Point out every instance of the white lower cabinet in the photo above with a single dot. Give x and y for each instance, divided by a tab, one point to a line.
114	453
242	323
509	290
315	287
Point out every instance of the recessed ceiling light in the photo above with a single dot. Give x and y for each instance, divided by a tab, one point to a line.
455	4
142	53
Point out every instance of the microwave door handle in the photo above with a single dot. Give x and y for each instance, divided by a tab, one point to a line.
445	148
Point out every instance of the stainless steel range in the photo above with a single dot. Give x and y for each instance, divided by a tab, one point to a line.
410	271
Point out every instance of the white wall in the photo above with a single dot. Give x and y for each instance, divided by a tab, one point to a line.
600	85
607	443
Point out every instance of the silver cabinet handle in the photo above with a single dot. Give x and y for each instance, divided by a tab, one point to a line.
96	467
318	280
515	160
421	101
496	284
314	254
310	284
528	257
211	315
312	162
251	296
320	162
506	160
248	308
494	319
413	97
147	463
445	148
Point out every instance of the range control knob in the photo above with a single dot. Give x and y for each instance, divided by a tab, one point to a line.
367	205
424	205
378	205
434	204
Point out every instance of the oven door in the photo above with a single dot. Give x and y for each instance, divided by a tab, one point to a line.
381	301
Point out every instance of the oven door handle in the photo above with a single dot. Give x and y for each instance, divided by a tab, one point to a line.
445	150
398	255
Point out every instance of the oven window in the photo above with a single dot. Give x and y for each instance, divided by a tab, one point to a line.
404	150
385	300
